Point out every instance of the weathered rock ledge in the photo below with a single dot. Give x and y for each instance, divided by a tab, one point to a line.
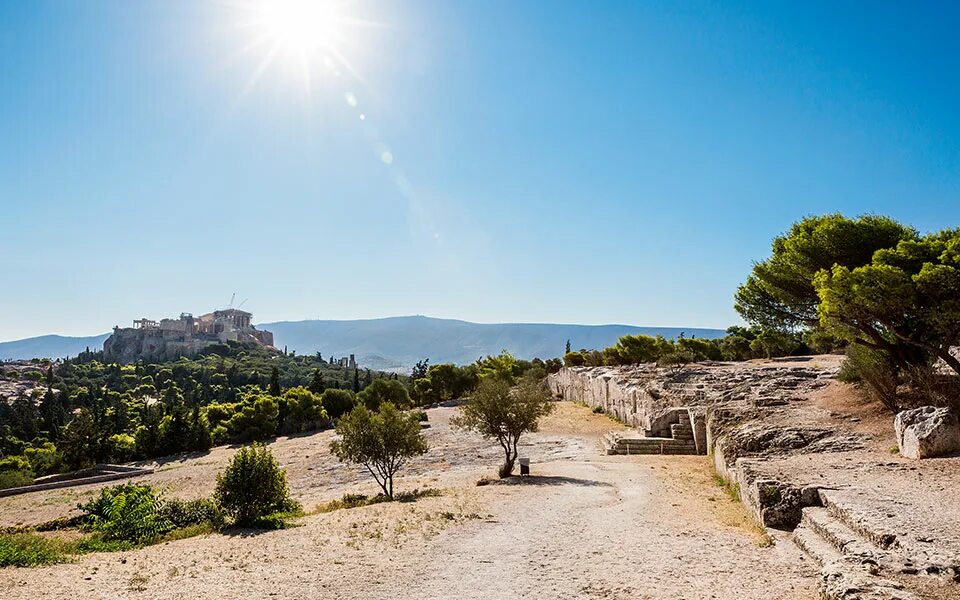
874	523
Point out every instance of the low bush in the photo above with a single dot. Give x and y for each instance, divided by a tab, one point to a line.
873	371
31	550
12	479
135	515
15	471
358	500
127	512
187	513
253	486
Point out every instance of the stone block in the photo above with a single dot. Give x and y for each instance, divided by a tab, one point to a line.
927	431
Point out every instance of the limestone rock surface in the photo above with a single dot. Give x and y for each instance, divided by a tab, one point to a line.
927	431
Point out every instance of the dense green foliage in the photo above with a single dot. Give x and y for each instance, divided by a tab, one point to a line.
337	402
498	410
381	441
122	517
127	512
253	486
382	391
444	382
890	292
89	412
136	514
32	550
740	343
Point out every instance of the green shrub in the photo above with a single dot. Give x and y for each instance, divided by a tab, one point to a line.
384	390
255	420
337	402
30	550
15	471
127	512
358	500
253	486
873	371
304	410
421	415
122	446
186	513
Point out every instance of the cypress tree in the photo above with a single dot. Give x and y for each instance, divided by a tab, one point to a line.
275	382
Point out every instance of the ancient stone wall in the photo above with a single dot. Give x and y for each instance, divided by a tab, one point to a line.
619	391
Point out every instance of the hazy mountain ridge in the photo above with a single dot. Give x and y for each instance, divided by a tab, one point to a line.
395	343
50	346
405	340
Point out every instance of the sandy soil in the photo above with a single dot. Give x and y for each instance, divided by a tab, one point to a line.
585	525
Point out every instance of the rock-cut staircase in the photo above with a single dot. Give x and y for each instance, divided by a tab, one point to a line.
675	438
857	563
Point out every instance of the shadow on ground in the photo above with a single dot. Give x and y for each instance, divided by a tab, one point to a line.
549	480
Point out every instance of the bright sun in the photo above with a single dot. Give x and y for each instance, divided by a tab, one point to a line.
301	27
306	39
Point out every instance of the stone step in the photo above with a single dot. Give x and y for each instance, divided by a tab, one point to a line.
843	577
844	539
668	444
656	442
893	554
820	550
653	451
881	539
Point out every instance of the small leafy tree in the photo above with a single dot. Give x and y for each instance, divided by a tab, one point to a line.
497	411
381	441
337	402
255	420
675	360
304	410
384	390
252	486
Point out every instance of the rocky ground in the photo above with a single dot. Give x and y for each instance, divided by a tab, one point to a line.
14	382
810	456
585	525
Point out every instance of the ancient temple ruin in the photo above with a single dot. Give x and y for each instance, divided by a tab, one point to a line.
169	339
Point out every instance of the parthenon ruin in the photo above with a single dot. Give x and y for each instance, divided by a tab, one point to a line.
169	339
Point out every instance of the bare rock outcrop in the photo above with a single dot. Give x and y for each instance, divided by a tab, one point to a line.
927	431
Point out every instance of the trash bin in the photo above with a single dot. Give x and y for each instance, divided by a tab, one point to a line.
524	466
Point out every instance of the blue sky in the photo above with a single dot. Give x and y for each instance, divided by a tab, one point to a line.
517	161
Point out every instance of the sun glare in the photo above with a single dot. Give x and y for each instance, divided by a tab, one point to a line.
302	27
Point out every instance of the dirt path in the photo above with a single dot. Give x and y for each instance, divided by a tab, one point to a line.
585	526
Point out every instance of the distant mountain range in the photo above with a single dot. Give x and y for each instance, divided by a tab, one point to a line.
396	343
50	346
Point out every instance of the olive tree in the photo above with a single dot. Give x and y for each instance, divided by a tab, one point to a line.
381	441
497	410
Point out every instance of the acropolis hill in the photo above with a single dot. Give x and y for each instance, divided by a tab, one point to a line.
170	339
